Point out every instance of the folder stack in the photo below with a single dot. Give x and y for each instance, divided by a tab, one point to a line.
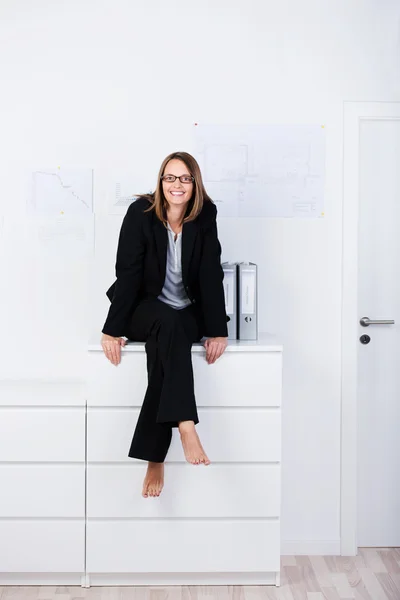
240	287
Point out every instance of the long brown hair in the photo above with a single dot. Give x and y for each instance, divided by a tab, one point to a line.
158	201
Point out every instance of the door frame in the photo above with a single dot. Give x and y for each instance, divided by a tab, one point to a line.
353	114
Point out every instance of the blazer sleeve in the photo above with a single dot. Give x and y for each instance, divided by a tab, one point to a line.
129	273
211	277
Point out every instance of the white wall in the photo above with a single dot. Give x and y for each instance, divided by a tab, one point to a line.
120	83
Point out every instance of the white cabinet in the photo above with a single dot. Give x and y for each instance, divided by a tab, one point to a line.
214	524
42	475
71	505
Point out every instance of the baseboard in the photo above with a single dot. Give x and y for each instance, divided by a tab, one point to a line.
34	579
312	547
138	579
179	579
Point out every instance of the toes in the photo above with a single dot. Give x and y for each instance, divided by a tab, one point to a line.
152	490
155	491
148	491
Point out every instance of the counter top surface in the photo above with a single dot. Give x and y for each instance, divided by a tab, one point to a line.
265	343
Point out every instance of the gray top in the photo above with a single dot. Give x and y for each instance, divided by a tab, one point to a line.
173	292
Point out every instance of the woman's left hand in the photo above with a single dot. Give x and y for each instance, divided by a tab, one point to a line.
215	347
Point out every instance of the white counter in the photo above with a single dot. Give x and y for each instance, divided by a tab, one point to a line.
265	343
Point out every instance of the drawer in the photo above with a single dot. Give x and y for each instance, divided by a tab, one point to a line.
236	379
42	434
42	546
227	434
239	379
42	490
30	392
189	491
180	546
124	385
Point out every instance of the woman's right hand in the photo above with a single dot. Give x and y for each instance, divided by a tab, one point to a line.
112	347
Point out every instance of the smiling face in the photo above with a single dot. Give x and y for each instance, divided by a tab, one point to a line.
177	193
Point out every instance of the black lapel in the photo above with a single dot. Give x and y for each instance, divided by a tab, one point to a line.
161	237
189	232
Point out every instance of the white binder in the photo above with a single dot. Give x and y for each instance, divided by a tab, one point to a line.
230	291
247	301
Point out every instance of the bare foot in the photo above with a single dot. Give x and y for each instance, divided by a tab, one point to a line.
194	451
154	480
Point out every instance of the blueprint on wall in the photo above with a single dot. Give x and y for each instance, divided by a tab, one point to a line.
263	170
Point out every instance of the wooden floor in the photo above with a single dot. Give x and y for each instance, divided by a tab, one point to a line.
374	574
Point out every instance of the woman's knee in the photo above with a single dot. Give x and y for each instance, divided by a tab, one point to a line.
169	319
171	328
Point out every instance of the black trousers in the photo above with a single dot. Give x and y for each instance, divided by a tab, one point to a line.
168	335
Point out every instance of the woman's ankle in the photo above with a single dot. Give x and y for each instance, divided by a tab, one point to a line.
185	425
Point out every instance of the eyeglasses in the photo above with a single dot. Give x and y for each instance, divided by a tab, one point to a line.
182	178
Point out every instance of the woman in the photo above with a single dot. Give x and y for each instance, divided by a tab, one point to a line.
169	294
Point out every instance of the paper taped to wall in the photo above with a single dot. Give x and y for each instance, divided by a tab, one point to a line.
263	170
59	191
64	238
123	187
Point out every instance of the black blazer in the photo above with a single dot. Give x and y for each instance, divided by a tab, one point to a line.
141	266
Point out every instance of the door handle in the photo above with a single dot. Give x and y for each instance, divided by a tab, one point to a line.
365	321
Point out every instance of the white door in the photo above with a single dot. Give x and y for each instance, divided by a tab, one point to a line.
378	355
